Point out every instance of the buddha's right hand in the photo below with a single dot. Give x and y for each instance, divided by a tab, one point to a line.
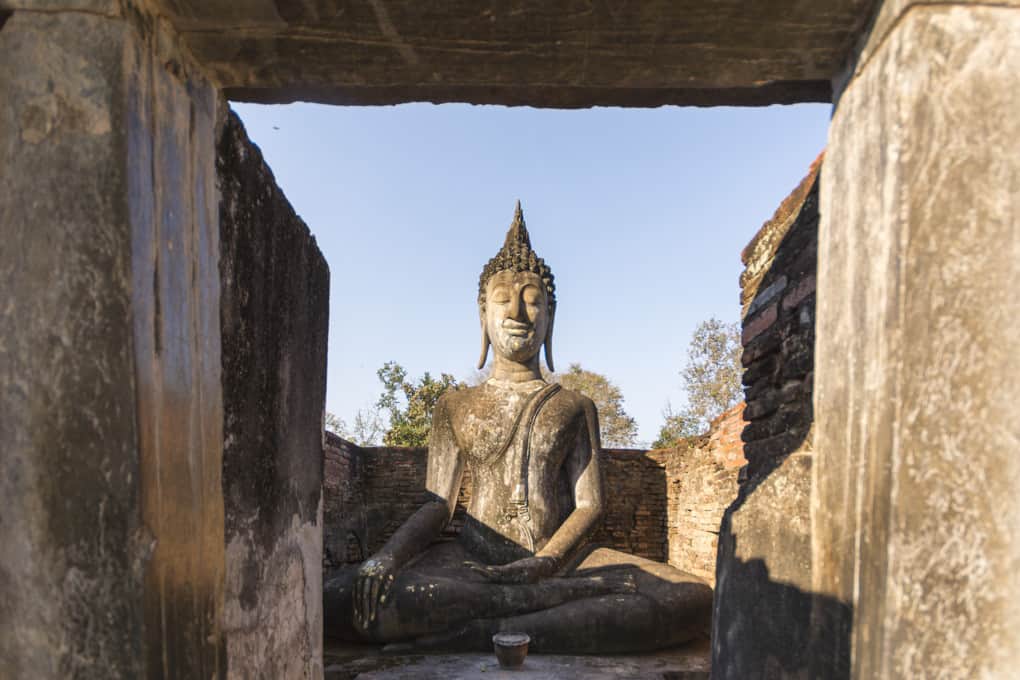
525	570
375	577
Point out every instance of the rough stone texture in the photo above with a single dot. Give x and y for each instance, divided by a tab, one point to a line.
539	54
767	622
915	510
762	623
702	483
274	318
111	366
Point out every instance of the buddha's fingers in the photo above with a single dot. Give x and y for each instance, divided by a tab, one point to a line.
373	598
357	602
362	602
490	573
384	589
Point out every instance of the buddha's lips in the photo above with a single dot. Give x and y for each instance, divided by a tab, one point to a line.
516	328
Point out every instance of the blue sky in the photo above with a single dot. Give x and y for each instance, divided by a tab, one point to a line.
641	213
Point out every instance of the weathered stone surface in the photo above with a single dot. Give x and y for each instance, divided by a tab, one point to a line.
274	319
175	308
890	12
562	54
917	519
766	619
111	366
68	462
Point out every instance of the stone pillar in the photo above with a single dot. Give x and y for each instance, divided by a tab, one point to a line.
916	515
110	406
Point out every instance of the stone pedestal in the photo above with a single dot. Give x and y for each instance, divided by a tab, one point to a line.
111	425
916	516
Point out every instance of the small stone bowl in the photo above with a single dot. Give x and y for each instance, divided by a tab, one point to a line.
511	648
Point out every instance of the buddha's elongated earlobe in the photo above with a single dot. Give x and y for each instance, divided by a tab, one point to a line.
548	343
485	345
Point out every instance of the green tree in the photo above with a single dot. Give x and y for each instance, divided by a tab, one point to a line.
618	430
711	381
676	425
367	429
410	404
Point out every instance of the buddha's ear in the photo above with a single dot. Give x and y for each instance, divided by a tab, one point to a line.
548	341
485	340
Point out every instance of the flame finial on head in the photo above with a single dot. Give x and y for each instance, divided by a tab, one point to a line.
517	255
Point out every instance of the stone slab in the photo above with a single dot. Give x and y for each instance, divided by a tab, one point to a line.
570	54
687	663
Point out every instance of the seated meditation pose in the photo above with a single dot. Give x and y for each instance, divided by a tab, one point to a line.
522	561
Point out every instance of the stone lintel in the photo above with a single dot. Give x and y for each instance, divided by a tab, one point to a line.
538	54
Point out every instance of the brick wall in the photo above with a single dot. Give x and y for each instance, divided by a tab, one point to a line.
702	479
778	298
343	505
635	492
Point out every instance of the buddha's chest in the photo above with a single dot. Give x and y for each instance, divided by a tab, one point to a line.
502	433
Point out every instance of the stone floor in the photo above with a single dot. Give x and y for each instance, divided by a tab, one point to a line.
346	662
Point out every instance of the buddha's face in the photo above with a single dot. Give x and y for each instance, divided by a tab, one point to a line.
517	314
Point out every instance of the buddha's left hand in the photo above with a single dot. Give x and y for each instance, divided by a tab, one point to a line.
527	570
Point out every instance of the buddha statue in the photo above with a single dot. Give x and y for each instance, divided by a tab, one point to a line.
522	561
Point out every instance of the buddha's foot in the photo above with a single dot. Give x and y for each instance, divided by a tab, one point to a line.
612	582
568	588
476	635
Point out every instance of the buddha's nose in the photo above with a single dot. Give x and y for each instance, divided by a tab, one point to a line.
515	307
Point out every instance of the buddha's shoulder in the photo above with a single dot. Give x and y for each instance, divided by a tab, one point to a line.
470	398
455	399
572	402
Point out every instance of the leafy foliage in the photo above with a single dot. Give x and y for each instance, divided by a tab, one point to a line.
410	404
618	430
366	430
711	380
677	425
